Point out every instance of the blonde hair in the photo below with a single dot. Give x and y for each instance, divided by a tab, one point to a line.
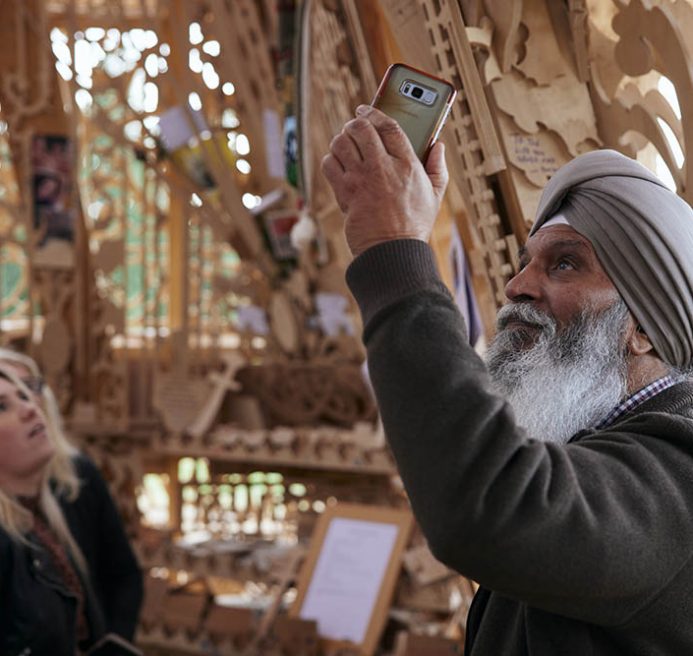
60	472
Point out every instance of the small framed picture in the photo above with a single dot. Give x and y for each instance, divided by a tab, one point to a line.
349	575
278	224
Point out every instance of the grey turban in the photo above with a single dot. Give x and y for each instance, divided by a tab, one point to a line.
642	234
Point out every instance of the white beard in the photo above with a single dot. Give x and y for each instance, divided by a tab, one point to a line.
566	381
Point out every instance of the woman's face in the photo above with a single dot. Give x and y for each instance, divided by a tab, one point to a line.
25	448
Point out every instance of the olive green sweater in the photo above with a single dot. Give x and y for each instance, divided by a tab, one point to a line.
580	549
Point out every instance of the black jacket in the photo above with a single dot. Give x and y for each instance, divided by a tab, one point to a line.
582	549
37	612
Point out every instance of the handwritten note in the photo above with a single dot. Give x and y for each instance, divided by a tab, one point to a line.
402	11
534	156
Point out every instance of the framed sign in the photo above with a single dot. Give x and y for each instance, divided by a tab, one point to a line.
349	575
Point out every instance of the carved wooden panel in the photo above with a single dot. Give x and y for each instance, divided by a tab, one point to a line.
541	103
474	152
42	295
642	86
335	76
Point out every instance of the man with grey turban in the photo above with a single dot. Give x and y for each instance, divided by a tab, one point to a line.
643	236
559	472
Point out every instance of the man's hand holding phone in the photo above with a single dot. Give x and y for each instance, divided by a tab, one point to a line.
383	189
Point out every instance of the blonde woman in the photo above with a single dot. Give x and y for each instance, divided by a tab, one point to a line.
68	575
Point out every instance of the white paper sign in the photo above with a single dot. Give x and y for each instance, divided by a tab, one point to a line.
179	125
332	314
347	577
253	319
274	143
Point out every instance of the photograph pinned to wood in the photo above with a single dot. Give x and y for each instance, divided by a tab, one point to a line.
55	210
278	224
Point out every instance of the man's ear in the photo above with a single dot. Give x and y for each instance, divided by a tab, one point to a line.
638	342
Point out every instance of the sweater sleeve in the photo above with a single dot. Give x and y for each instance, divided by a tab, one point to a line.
591	530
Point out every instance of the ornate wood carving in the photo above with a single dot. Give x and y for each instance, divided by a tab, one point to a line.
473	147
542	108
48	301
302	395
648	41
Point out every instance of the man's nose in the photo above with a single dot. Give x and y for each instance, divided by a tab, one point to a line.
524	285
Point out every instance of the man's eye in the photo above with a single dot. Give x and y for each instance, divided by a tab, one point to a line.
22	396
564	265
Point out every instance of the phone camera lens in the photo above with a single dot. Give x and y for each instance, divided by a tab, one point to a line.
417	92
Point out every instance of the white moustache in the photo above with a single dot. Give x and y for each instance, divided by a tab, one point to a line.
523	313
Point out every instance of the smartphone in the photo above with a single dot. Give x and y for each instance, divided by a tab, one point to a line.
419	102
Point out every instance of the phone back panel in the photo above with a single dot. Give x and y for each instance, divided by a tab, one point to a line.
419	121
